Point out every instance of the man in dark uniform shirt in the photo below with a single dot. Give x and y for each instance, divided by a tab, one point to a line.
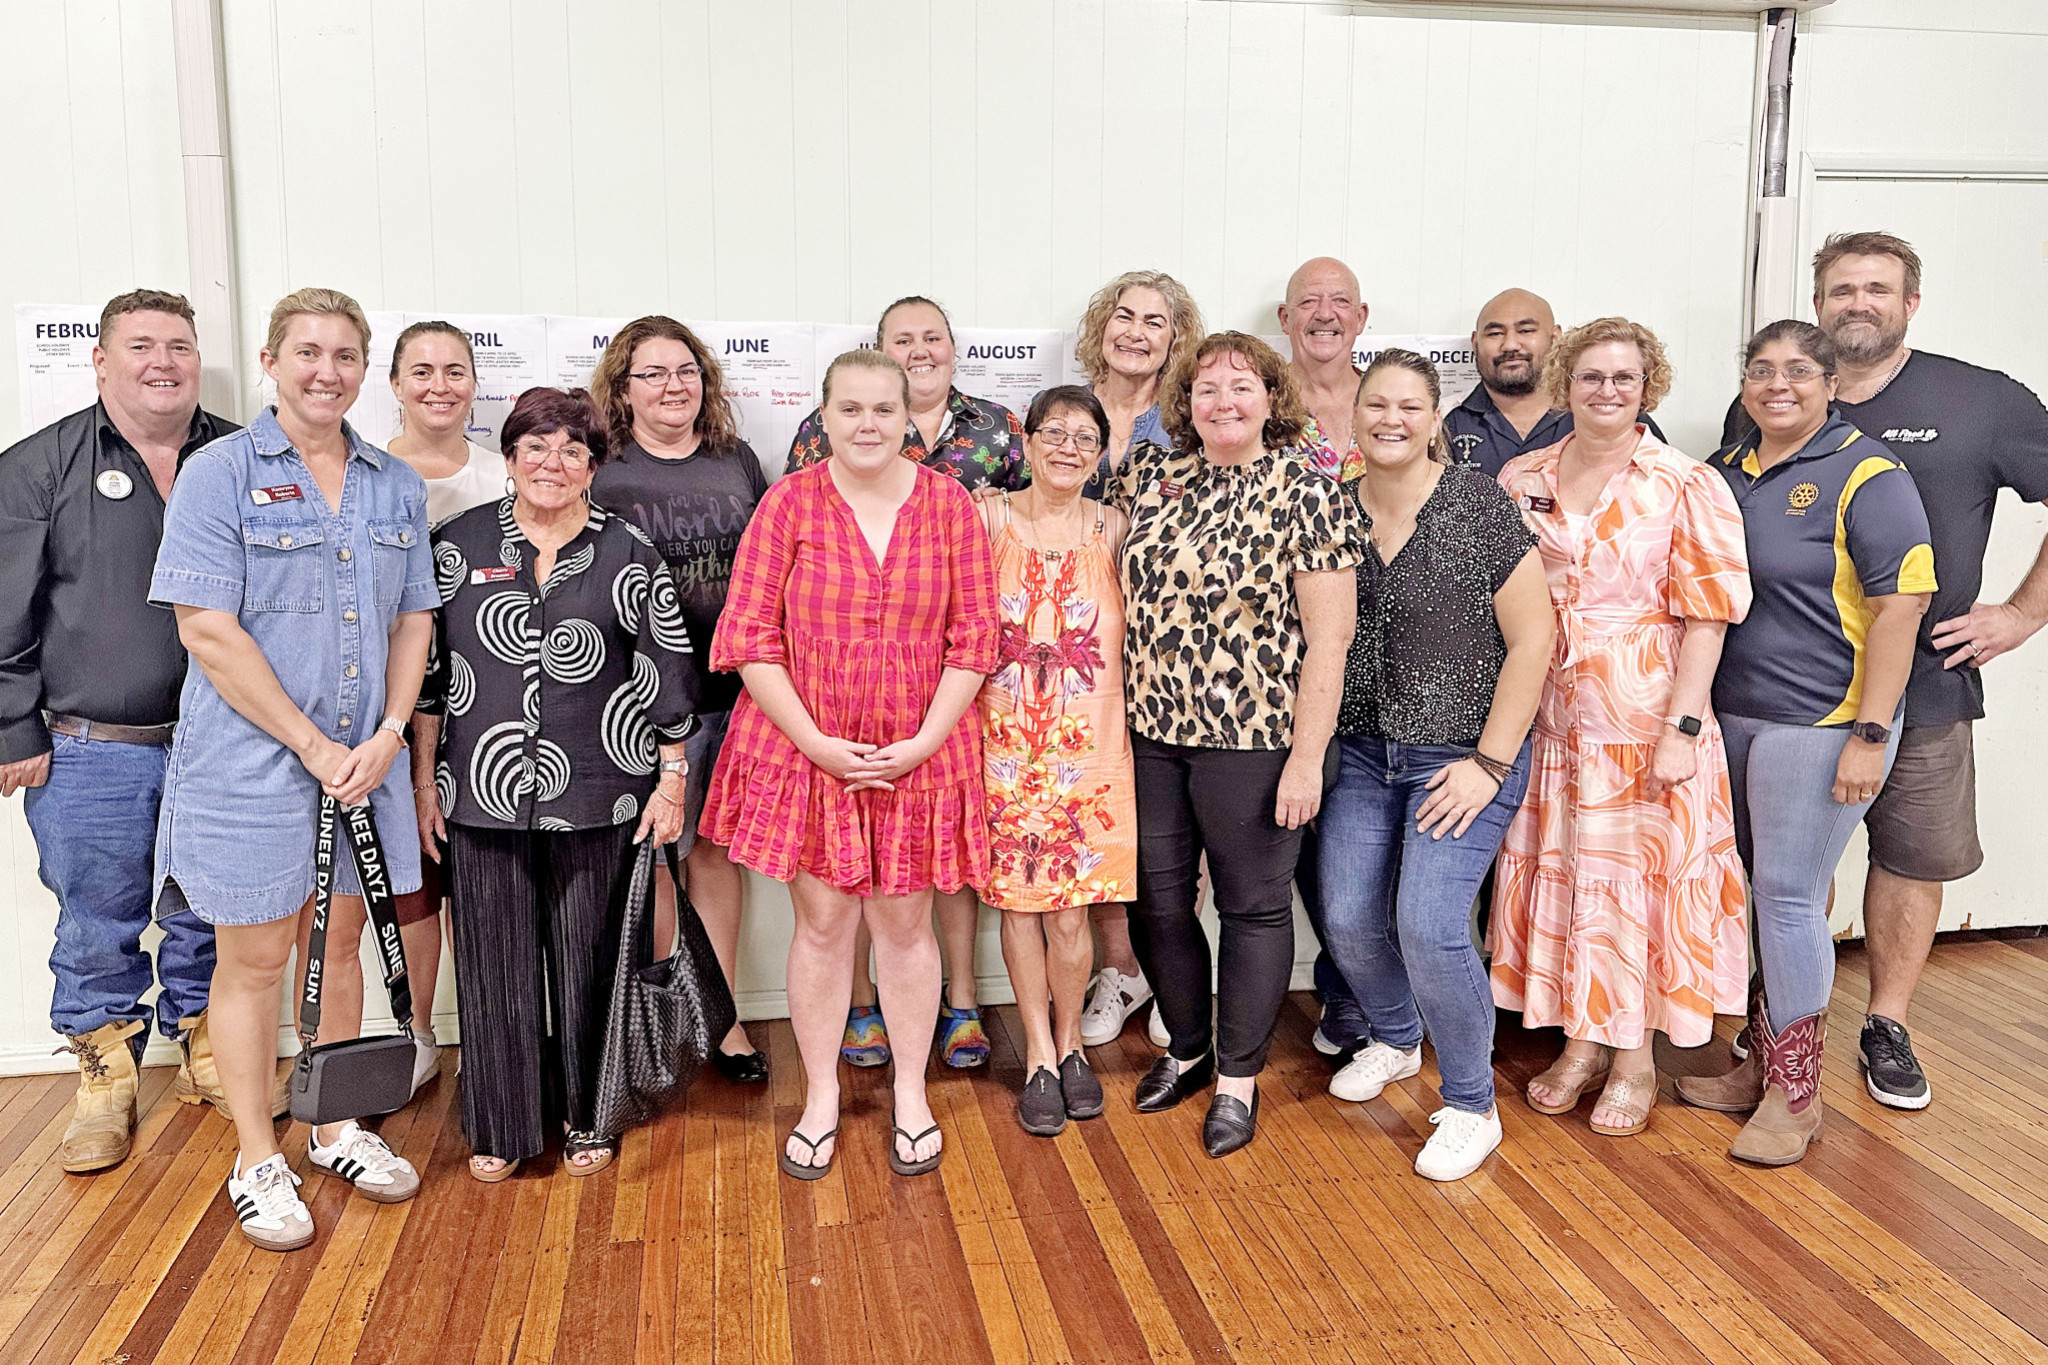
1509	414
89	679
1964	433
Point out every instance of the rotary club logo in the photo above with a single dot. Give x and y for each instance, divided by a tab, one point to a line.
1801	497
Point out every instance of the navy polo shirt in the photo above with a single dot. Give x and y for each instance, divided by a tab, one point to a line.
1480	433
1838	523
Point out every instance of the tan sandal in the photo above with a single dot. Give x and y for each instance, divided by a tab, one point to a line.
1571	1075
1630	1096
503	1172
588	1144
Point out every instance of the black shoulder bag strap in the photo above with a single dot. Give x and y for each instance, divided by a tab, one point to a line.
375	876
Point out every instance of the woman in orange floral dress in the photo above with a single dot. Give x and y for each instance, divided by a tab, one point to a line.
1062	807
1618	908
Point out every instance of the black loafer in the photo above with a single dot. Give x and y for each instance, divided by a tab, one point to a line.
1041	1109
748	1068
1167	1084
1230	1125
1078	1085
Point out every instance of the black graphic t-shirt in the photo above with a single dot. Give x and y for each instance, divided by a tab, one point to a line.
1963	433
695	511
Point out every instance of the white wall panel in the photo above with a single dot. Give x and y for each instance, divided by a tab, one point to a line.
813	159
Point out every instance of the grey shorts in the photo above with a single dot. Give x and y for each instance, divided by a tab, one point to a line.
701	749
1923	825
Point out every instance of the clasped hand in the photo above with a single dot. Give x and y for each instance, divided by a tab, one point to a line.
868	766
350	775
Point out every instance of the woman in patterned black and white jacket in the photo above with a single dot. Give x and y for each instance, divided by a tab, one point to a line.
550	742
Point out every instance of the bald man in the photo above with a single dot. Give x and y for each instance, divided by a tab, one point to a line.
1509	414
1322	317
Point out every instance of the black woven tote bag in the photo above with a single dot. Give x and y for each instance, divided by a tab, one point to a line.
665	1016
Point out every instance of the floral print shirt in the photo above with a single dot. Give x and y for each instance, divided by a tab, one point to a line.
980	445
1213	649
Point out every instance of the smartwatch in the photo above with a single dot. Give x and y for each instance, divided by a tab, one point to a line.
1870	732
1689	726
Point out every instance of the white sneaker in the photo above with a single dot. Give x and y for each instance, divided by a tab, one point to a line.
267	1203
1156	1030
1462	1141
1112	998
360	1157
426	1062
1376	1067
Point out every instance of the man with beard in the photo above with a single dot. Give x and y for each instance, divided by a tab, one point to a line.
1508	414
1964	433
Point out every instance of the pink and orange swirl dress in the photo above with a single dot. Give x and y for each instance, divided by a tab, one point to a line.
1615	913
865	642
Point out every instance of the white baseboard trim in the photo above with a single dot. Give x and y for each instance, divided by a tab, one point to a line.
31	1060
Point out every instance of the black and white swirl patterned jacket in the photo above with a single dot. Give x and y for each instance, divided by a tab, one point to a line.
553	695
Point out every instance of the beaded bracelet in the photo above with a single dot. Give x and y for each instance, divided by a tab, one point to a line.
1493	768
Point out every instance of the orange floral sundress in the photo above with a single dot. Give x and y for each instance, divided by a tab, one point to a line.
1615	913
1062	806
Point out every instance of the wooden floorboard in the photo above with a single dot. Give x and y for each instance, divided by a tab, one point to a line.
1903	1239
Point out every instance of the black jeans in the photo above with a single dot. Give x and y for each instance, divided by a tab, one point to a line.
1218	801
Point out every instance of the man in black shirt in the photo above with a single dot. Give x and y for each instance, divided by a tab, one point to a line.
89	679
1964	433
1509	414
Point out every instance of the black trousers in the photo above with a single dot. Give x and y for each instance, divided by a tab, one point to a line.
1218	801
536	916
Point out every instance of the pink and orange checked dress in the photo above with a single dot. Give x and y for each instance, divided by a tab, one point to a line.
865	643
1615	913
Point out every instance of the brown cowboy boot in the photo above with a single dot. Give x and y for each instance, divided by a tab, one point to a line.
1789	1117
103	1121
1742	1087
199	1078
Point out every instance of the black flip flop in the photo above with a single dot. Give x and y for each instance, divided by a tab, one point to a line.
799	1170
902	1167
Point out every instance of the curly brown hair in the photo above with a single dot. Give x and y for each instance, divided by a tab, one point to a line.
1564	358
1284	424
1181	310
718	428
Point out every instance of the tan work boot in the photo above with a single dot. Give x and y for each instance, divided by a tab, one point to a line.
103	1121
199	1077
1789	1118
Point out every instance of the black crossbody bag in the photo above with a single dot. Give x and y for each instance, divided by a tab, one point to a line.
360	1077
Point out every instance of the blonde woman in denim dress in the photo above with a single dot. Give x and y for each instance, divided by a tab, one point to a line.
296	557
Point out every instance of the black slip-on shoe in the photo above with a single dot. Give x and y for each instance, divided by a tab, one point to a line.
1168	1082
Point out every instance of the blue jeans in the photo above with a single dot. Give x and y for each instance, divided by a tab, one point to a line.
1397	906
1343	1022
94	824
1791	833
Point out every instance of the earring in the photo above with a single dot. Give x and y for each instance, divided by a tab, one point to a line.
511	487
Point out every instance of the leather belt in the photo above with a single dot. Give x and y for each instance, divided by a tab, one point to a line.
81	728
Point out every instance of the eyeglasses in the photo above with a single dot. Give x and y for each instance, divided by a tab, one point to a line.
1593	381
1087	442
534	454
1795	373
689	374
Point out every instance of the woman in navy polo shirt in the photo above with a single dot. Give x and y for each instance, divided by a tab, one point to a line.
1808	694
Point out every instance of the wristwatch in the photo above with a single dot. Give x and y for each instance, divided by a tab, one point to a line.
1870	732
395	724
1688	726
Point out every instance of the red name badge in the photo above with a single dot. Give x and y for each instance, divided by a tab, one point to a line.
284	492
1536	502
501	574
1170	490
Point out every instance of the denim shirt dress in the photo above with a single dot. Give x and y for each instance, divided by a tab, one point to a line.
248	531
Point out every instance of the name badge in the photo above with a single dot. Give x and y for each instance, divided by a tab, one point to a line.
500	574
284	492
1537	502
1170	490
113	484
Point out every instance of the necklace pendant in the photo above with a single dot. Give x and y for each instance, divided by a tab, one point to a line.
1052	556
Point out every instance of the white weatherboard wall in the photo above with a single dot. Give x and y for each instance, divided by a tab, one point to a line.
752	159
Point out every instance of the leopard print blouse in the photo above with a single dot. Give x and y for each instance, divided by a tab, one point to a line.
1213	648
